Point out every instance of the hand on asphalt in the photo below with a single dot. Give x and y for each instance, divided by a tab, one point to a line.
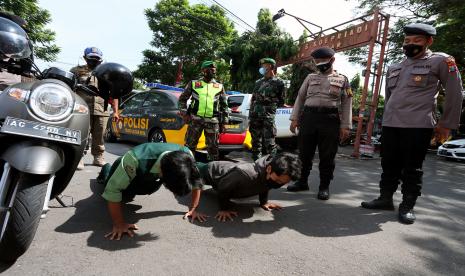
194	215
225	215
119	230
271	206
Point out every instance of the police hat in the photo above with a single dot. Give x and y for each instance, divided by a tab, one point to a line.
267	60
93	52
323	52
208	64
419	29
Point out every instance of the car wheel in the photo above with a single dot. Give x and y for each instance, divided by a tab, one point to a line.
109	136
157	136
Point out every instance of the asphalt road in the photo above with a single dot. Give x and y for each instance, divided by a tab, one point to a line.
308	237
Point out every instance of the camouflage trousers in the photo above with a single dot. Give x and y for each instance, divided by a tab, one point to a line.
263	132
98	125
211	131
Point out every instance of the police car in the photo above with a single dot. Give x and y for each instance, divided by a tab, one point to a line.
454	149
152	116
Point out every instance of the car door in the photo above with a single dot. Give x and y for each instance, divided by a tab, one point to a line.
131	111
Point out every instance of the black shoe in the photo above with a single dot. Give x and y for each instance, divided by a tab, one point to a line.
381	203
323	194
406	215
297	187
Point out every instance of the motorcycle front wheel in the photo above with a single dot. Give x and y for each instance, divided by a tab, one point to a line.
19	225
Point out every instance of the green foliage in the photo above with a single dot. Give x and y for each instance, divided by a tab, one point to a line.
184	34
299	72
246	51
36	18
357	90
139	85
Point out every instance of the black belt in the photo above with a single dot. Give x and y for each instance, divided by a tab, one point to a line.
321	109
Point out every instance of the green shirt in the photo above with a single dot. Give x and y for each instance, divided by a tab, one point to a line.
141	160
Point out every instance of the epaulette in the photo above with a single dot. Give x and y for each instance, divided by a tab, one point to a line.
441	54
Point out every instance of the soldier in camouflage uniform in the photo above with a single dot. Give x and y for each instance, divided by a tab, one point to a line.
267	96
207	110
98	116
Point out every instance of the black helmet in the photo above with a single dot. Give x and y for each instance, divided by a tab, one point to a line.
14	42
114	80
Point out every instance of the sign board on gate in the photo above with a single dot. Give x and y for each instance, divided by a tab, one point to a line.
349	38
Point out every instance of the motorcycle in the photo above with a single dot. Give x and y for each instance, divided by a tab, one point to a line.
44	128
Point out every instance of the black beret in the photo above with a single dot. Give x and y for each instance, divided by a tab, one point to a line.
419	29
323	52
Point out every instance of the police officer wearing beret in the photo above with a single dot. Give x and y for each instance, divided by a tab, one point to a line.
323	115
408	122
267	96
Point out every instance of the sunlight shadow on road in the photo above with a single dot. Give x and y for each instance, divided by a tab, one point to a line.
91	215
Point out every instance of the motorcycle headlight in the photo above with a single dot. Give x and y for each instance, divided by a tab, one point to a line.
51	102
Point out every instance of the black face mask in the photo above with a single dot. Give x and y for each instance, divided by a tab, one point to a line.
411	50
210	74
270	184
324	67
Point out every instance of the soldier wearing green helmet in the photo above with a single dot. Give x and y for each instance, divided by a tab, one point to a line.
207	110
267	96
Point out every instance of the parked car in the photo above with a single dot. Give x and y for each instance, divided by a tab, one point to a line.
454	149
152	116
240	104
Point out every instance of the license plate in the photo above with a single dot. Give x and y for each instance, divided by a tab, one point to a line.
231	126
443	152
41	130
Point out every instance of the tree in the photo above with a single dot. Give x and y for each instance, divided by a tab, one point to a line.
357	98
447	15
296	73
246	51
36	18
184	36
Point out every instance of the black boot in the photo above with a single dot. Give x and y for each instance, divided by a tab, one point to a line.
406	213
384	202
298	186
323	194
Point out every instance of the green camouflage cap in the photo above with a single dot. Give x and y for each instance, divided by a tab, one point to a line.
268	60
208	63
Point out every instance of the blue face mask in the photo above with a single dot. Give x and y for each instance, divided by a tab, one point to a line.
262	71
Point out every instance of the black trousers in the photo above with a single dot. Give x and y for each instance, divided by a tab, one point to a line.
403	151
319	129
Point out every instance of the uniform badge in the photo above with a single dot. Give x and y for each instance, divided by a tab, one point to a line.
452	66
198	84
349	92
130	170
216	85
417	78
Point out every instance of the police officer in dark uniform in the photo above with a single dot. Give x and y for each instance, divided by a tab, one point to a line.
408	119
323	115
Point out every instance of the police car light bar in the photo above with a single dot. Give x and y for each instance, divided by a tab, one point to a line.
163	86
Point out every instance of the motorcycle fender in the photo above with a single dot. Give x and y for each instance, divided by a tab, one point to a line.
34	159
